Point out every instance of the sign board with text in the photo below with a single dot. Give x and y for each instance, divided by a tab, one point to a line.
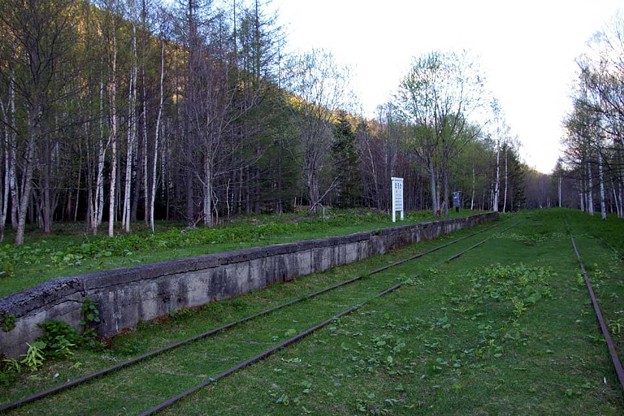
397	198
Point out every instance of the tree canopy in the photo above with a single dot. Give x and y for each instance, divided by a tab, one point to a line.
118	111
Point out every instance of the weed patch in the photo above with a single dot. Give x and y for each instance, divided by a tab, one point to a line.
7	321
513	288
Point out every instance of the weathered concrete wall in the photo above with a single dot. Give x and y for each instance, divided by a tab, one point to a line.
128	296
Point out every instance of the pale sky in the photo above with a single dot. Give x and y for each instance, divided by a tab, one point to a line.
527	48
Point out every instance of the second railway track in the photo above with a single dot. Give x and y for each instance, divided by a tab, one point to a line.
602	323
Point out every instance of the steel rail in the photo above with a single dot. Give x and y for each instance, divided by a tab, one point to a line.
619	371
264	354
81	380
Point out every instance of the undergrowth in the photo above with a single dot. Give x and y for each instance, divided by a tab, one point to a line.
53	256
59	340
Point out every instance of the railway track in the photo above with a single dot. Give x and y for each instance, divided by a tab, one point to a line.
613	354
169	402
357	289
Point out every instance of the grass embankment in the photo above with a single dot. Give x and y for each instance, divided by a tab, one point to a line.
505	329
69	251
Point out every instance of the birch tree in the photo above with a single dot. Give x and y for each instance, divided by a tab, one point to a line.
436	97
34	33
598	118
501	138
9	158
131	133
157	129
320	88
111	37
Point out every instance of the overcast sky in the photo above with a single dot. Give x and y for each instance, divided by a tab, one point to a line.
527	49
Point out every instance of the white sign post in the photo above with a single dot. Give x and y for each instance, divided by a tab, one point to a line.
397	197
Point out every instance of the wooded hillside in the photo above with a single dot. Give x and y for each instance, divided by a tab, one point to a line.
116	111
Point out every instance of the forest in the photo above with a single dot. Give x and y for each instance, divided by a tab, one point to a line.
114	112
590	173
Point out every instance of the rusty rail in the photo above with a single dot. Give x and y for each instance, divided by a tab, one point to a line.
619	371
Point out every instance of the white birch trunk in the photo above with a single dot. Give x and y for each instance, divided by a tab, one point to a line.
5	160
13	157
10	160
26	187
125	218
146	189
497	180
146	195
113	141
99	179
132	127
603	205
156	136
506	181
590	186
472	197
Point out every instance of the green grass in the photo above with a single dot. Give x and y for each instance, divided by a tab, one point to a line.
70	251
453	348
505	329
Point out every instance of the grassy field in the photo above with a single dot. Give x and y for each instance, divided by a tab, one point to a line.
70	251
507	328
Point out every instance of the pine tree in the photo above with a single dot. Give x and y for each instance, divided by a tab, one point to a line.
348	190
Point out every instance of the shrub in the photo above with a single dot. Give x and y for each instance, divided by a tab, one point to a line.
59	338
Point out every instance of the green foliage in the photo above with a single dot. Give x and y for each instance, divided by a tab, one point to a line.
616	326
59	339
7	321
254	228
35	356
366	404
90	317
90	313
9	371
515	286
7	269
